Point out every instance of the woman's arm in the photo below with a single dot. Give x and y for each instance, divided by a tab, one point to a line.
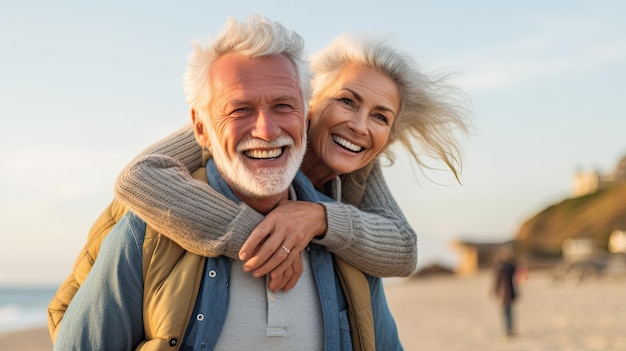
159	188
376	237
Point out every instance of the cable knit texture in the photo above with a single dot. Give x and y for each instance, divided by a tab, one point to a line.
376	237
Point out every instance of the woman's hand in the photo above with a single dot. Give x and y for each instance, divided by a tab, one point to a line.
275	245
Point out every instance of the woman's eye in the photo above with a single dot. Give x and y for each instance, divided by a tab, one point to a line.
381	118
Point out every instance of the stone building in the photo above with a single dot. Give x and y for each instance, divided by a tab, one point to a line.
588	182
475	256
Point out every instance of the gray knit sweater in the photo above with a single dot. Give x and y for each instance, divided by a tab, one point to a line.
376	237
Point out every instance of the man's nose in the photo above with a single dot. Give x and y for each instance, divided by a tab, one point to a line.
266	127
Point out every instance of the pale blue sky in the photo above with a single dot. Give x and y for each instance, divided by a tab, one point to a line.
83	88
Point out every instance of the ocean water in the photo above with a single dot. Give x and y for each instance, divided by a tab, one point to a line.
24	308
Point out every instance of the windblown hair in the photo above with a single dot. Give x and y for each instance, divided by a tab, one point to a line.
431	112
255	37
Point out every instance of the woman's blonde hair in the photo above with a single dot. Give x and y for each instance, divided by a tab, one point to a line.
431	114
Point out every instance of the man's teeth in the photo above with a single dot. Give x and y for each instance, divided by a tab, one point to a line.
262	154
346	144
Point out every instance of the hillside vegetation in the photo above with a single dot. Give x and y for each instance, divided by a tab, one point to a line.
591	216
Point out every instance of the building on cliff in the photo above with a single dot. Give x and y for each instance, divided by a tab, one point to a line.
588	182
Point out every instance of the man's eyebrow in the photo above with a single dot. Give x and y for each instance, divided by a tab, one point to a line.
287	97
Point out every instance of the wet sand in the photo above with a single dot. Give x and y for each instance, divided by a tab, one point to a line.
458	314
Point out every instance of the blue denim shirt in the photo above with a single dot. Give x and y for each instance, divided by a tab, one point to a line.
107	311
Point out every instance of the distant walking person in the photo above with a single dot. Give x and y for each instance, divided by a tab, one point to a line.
505	288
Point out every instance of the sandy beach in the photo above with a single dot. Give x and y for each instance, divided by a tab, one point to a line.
450	313
31	340
459	314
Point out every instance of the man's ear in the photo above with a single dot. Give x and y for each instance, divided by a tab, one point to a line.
199	129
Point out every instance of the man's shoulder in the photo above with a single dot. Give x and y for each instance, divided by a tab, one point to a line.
130	229
133	222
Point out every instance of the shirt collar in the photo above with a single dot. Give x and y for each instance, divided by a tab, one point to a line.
218	183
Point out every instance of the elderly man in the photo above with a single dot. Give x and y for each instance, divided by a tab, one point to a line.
247	93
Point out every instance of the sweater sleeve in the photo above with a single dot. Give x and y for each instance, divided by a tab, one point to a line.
376	237
158	187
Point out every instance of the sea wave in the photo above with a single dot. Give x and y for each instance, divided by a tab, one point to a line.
22	309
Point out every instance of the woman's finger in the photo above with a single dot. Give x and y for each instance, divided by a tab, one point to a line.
257	237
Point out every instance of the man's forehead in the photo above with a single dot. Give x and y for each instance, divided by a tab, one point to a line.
240	78
237	69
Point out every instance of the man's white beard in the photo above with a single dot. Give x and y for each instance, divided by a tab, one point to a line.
261	182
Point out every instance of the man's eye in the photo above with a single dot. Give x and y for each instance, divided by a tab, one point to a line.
239	111
283	107
346	101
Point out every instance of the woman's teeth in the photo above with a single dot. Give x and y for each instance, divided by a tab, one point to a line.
346	144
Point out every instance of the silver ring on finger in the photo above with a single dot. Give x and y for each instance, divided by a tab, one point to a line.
284	248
